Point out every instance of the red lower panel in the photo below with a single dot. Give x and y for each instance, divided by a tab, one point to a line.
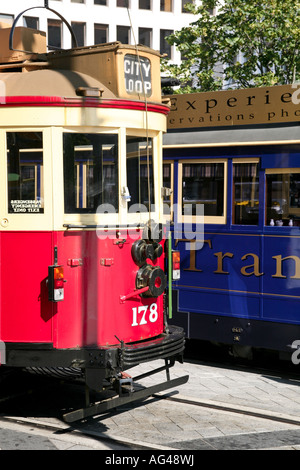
98	272
26	315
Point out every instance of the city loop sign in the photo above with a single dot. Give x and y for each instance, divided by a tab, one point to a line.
137	72
266	105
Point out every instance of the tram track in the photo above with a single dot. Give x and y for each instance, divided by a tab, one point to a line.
241	410
58	431
83	433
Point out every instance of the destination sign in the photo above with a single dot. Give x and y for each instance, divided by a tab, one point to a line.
137	71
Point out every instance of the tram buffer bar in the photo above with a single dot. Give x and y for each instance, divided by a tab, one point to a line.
111	403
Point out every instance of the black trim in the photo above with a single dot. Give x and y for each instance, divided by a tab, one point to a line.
170	345
113	359
239	331
235	127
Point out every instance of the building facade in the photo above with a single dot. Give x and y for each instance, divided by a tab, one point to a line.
145	22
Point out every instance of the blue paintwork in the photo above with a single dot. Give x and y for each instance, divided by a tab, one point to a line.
230	293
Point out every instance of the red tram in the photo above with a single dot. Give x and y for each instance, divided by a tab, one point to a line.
82	240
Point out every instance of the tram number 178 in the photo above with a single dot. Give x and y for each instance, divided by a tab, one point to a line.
141	315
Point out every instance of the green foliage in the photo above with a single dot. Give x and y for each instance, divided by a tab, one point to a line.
248	43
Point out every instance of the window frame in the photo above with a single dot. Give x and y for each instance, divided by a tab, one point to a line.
28	221
163	6
243	160
156	161
101	27
169	217
279	171
140	7
58	25
80	183
93	217
122	217
142	30
218	220
79	24
165	47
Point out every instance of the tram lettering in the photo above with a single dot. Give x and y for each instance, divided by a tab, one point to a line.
279	262
192	265
255	266
136	86
252	269
141	314
132	67
137	75
220	257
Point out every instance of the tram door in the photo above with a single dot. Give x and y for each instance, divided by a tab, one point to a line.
26	236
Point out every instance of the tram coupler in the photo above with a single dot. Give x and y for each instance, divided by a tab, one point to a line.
125	382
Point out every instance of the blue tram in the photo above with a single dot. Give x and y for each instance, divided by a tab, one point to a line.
232	162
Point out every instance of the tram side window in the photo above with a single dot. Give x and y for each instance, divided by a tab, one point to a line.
25	172
283	197
203	184
90	172
245	194
139	173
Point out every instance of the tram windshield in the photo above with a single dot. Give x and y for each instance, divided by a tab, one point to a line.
90	172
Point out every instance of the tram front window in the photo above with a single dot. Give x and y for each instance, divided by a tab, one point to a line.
25	172
90	172
139	173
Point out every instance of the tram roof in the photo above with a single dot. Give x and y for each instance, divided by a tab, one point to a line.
47	82
108	71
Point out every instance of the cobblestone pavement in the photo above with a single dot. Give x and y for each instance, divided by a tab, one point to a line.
271	418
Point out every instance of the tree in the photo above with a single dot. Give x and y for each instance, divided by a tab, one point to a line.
246	44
